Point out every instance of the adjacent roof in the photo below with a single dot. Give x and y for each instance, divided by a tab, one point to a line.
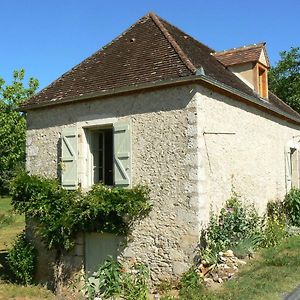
241	55
151	51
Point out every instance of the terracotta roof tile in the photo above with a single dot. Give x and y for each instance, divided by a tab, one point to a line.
139	55
240	55
151	50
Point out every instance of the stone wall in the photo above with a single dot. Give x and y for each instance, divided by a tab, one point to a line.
243	149
191	146
164	157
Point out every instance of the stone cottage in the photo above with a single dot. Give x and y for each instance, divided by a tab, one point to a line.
156	107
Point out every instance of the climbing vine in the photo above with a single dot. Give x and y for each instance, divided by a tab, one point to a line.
62	214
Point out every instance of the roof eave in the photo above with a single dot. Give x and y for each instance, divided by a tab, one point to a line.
204	79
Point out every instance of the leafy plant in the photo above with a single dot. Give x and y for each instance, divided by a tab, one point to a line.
190	286
274	227
114	280
109	276
61	214
22	260
292	207
136	282
235	223
247	246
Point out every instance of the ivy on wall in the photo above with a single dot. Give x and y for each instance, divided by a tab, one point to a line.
62	214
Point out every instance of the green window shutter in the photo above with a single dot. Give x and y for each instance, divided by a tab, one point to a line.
69	153
122	154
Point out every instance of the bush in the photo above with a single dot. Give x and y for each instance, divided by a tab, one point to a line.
235	222
292	207
274	227
247	246
115	279
22	260
61	214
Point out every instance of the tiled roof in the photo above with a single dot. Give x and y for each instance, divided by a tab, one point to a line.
150	51
240	55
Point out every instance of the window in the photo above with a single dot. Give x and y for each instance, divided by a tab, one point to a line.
92	153
294	168
262	82
101	156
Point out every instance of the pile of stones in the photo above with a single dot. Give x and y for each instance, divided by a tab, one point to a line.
227	267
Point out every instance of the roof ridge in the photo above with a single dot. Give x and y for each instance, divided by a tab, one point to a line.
241	48
173	43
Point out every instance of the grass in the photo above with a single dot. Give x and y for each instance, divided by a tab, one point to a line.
275	272
272	274
8	233
17	292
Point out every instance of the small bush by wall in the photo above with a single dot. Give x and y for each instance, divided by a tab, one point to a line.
22	260
62	214
115	280
235	223
239	228
274	224
292	207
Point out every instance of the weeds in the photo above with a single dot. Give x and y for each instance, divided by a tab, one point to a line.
191	287
113	280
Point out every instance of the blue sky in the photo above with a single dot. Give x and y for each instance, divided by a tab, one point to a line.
47	38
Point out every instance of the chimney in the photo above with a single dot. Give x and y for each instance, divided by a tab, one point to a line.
250	64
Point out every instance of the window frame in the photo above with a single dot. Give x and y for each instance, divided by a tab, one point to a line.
86	123
292	167
262	82
90	169
121	132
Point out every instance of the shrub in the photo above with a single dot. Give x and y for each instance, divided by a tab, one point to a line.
247	246
115	279
235	222
61	214
274	227
292	207
136	282
22	260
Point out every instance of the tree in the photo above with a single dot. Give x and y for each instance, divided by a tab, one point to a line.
284	78
13	125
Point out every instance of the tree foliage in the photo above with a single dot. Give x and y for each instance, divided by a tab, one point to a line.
13	124
284	78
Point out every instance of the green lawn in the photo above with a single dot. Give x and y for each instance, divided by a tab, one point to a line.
9	232
7	235
270	275
18	292
275	272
